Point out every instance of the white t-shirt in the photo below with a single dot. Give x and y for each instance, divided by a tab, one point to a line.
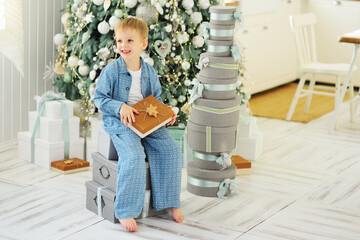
135	94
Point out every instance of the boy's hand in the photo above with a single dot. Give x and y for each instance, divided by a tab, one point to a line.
173	118
127	114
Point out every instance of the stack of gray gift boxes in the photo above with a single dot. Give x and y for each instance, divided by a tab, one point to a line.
215	106
101	191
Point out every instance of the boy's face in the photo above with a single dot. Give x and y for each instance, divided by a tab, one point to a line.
130	43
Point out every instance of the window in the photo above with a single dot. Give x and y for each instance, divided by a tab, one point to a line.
2	15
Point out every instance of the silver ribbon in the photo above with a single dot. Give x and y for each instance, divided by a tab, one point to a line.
223	160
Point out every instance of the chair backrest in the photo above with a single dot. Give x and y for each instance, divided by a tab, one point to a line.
303	26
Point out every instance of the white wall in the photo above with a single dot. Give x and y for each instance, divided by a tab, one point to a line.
41	21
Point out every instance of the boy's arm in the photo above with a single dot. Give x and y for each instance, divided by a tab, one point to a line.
102	98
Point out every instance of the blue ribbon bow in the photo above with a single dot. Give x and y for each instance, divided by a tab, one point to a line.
225	185
196	91
238	16
236	51
224	160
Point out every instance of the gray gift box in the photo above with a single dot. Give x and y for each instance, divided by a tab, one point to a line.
105	172
215	88
218	48
224	67
108	199
222	15
208	139
202	182
221	32
215	113
106	146
204	164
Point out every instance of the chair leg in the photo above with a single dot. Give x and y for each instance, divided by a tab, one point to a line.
311	88
296	97
352	105
337	94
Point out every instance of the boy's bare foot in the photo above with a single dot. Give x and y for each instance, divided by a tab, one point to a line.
129	224
177	215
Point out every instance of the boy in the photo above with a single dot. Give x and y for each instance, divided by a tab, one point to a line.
122	83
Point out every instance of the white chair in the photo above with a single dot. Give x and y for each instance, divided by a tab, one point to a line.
303	26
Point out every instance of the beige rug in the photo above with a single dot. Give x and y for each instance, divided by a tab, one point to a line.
275	103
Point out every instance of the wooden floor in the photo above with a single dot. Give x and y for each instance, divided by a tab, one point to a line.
305	185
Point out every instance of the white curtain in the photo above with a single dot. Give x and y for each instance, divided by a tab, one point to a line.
12	36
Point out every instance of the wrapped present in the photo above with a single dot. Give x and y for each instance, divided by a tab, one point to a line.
219	48
71	165
221	32
46	152
212	162
243	166
105	172
90	147
106	146
208	139
100	200
211	183
224	15
215	113
223	67
249	147
219	89
153	114
52	130
231	2
52	105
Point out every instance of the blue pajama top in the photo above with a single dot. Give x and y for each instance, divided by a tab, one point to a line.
113	87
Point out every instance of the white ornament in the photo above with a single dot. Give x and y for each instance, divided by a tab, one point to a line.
168	28
181	98
107	4
166	17
102	63
173	102
89	17
80	86
113	21
95	67
182	37
103	53
204	4
130	3
65	19
84	70
176	110
103	27
118	13
59	39
152	27
73	61
187	82
196	18
189	12
198	41
81	62
94	59
172	54
85	37
201	29
187	4
162	2
92	74
149	60
84	7
78	2
98	2
69	32
92	88
185	65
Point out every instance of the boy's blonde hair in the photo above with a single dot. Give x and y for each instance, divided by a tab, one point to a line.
133	23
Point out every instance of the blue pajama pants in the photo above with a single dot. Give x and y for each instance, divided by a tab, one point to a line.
165	160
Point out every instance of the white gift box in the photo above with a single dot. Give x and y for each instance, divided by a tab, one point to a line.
51	130
106	146
52	109
47	152
249	147
96	124
247	129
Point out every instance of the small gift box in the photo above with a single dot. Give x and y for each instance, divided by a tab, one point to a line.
217	88
216	113
71	165
211	183
243	166
219	48
223	15
105	172
105	145
153	114
221	32
52	105
208	139
222	66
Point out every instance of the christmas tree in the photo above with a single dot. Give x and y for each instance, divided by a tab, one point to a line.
87	45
